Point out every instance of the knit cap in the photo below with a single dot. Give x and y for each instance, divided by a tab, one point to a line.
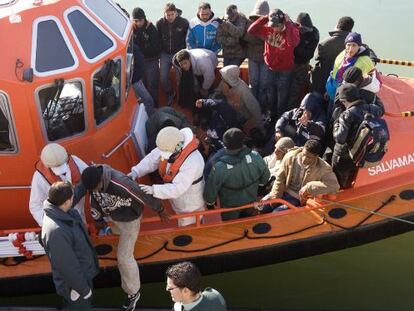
138	13
261	8
354	37
233	138
353	75
168	139
348	92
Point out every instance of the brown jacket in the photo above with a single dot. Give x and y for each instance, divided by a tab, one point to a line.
318	179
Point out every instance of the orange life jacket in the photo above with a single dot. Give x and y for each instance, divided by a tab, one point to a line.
51	178
175	166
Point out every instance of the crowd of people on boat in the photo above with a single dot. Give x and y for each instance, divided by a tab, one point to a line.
286	134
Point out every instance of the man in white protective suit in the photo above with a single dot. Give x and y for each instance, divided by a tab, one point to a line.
181	166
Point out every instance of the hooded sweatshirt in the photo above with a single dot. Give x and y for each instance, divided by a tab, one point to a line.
309	38
120	197
246	104
71	253
255	45
279	47
202	35
203	63
235	178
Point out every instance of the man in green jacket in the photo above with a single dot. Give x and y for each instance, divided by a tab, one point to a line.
183	283
236	176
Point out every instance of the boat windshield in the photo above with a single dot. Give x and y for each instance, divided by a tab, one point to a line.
62	109
110	15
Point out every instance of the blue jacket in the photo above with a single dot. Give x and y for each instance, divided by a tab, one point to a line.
203	34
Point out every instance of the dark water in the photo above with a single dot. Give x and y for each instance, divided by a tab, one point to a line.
377	276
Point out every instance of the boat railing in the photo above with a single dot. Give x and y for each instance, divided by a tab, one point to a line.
212	218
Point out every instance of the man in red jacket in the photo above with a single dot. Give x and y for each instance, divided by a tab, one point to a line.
281	36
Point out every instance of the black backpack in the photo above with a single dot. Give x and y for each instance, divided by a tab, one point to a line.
371	141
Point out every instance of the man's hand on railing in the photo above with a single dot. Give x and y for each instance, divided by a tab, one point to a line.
164	216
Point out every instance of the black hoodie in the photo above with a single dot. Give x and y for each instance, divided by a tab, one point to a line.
309	38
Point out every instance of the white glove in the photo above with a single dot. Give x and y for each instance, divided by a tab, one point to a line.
147	189
266	197
88	294
132	175
74	295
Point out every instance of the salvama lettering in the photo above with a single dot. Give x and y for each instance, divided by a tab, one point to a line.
392	164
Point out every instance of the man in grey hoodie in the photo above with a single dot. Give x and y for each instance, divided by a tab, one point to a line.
239	95
71	253
116	196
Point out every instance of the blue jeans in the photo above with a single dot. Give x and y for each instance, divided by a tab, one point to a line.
152	78
143	96
165	67
260	78
281	86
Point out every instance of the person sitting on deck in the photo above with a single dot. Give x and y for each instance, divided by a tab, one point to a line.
236	176
180	165
163	117
239	95
196	70
216	117
303	123
303	174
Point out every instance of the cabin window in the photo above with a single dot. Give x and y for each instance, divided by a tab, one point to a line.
8	143
93	41
110	15
107	90
52	52
62	109
129	65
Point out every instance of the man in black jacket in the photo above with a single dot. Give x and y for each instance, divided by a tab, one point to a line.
146	37
116	196
71	253
328	50
309	38
345	130
172	32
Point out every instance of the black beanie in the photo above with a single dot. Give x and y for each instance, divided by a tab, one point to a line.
348	92
353	75
138	13
233	139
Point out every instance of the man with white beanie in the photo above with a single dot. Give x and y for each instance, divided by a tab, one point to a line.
55	165
181	166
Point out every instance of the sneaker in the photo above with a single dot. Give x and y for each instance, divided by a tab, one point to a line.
130	302
170	98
